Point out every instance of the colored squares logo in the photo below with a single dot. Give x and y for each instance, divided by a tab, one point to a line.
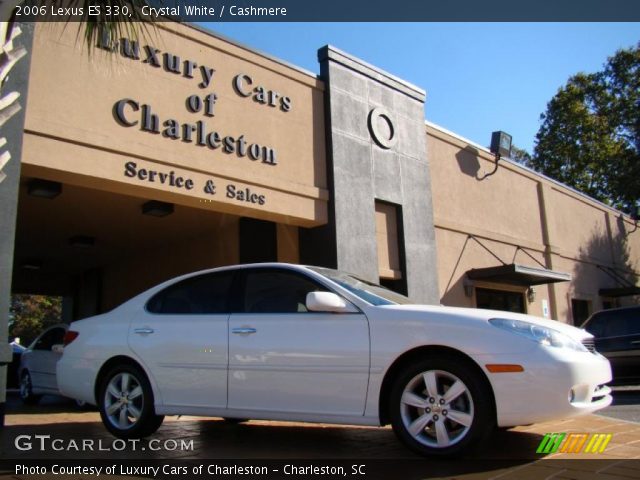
574	443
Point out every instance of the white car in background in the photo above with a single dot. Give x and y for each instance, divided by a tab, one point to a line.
37	371
287	342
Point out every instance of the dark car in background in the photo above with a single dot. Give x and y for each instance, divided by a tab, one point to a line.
617	337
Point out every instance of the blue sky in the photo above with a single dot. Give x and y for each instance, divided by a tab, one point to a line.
479	77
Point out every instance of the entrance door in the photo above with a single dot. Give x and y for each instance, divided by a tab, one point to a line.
258	241
182	339
500	300
283	358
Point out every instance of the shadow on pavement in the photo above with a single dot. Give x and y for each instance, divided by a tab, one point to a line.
214	438
71	435
47	404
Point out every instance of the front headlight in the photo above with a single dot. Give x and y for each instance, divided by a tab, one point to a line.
542	335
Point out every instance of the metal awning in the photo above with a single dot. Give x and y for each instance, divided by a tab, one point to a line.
619	291
514	274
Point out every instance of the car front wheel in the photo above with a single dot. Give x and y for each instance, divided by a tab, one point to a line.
26	390
440	406
126	403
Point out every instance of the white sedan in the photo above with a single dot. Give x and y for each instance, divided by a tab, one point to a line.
287	342
37	371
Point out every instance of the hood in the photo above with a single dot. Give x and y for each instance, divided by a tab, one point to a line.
458	314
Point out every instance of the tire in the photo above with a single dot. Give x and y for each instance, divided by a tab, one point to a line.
26	390
125	401
430	418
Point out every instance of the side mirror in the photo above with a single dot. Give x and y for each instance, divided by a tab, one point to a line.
328	302
57	348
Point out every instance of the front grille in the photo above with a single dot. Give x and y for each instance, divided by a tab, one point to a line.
600	392
589	344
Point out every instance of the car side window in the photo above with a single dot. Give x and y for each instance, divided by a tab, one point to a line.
277	291
633	321
617	326
49	339
204	294
596	326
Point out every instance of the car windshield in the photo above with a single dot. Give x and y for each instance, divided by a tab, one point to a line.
367	291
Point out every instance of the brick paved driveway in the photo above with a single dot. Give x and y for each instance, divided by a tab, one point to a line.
213	438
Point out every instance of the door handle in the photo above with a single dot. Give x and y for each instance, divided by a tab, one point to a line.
635	342
243	331
143	331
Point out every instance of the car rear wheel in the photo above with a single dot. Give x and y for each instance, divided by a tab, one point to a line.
441	407
26	390
126	403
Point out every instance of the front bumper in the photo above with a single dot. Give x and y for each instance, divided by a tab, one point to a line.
556	383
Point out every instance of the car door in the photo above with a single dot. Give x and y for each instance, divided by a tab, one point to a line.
181	337
43	360
283	358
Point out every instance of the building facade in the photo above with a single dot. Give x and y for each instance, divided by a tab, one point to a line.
518	240
183	150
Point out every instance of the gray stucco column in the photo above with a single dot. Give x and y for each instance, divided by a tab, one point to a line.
13	130
376	141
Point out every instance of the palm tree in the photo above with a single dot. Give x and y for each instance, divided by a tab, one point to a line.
90	29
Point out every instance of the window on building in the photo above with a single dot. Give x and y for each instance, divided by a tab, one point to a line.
389	242
581	309
500	300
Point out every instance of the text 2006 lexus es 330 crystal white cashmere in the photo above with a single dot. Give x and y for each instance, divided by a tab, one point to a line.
287	342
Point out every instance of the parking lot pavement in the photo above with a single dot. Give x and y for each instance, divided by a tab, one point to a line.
212	438
626	404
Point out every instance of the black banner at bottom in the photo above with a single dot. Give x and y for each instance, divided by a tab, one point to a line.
357	469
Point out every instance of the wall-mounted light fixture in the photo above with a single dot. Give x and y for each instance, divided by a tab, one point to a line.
82	241
500	147
44	188
531	295
156	208
635	216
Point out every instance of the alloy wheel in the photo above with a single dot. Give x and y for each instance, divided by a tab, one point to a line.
124	400
436	409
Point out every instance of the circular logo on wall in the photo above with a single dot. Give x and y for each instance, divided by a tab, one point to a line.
381	128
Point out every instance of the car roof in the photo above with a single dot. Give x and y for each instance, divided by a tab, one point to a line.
619	309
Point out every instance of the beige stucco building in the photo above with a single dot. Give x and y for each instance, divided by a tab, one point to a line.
517	216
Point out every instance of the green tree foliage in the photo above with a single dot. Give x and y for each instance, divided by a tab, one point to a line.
31	314
521	156
590	134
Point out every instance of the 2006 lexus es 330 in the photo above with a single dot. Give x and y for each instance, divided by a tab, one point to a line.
287	342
